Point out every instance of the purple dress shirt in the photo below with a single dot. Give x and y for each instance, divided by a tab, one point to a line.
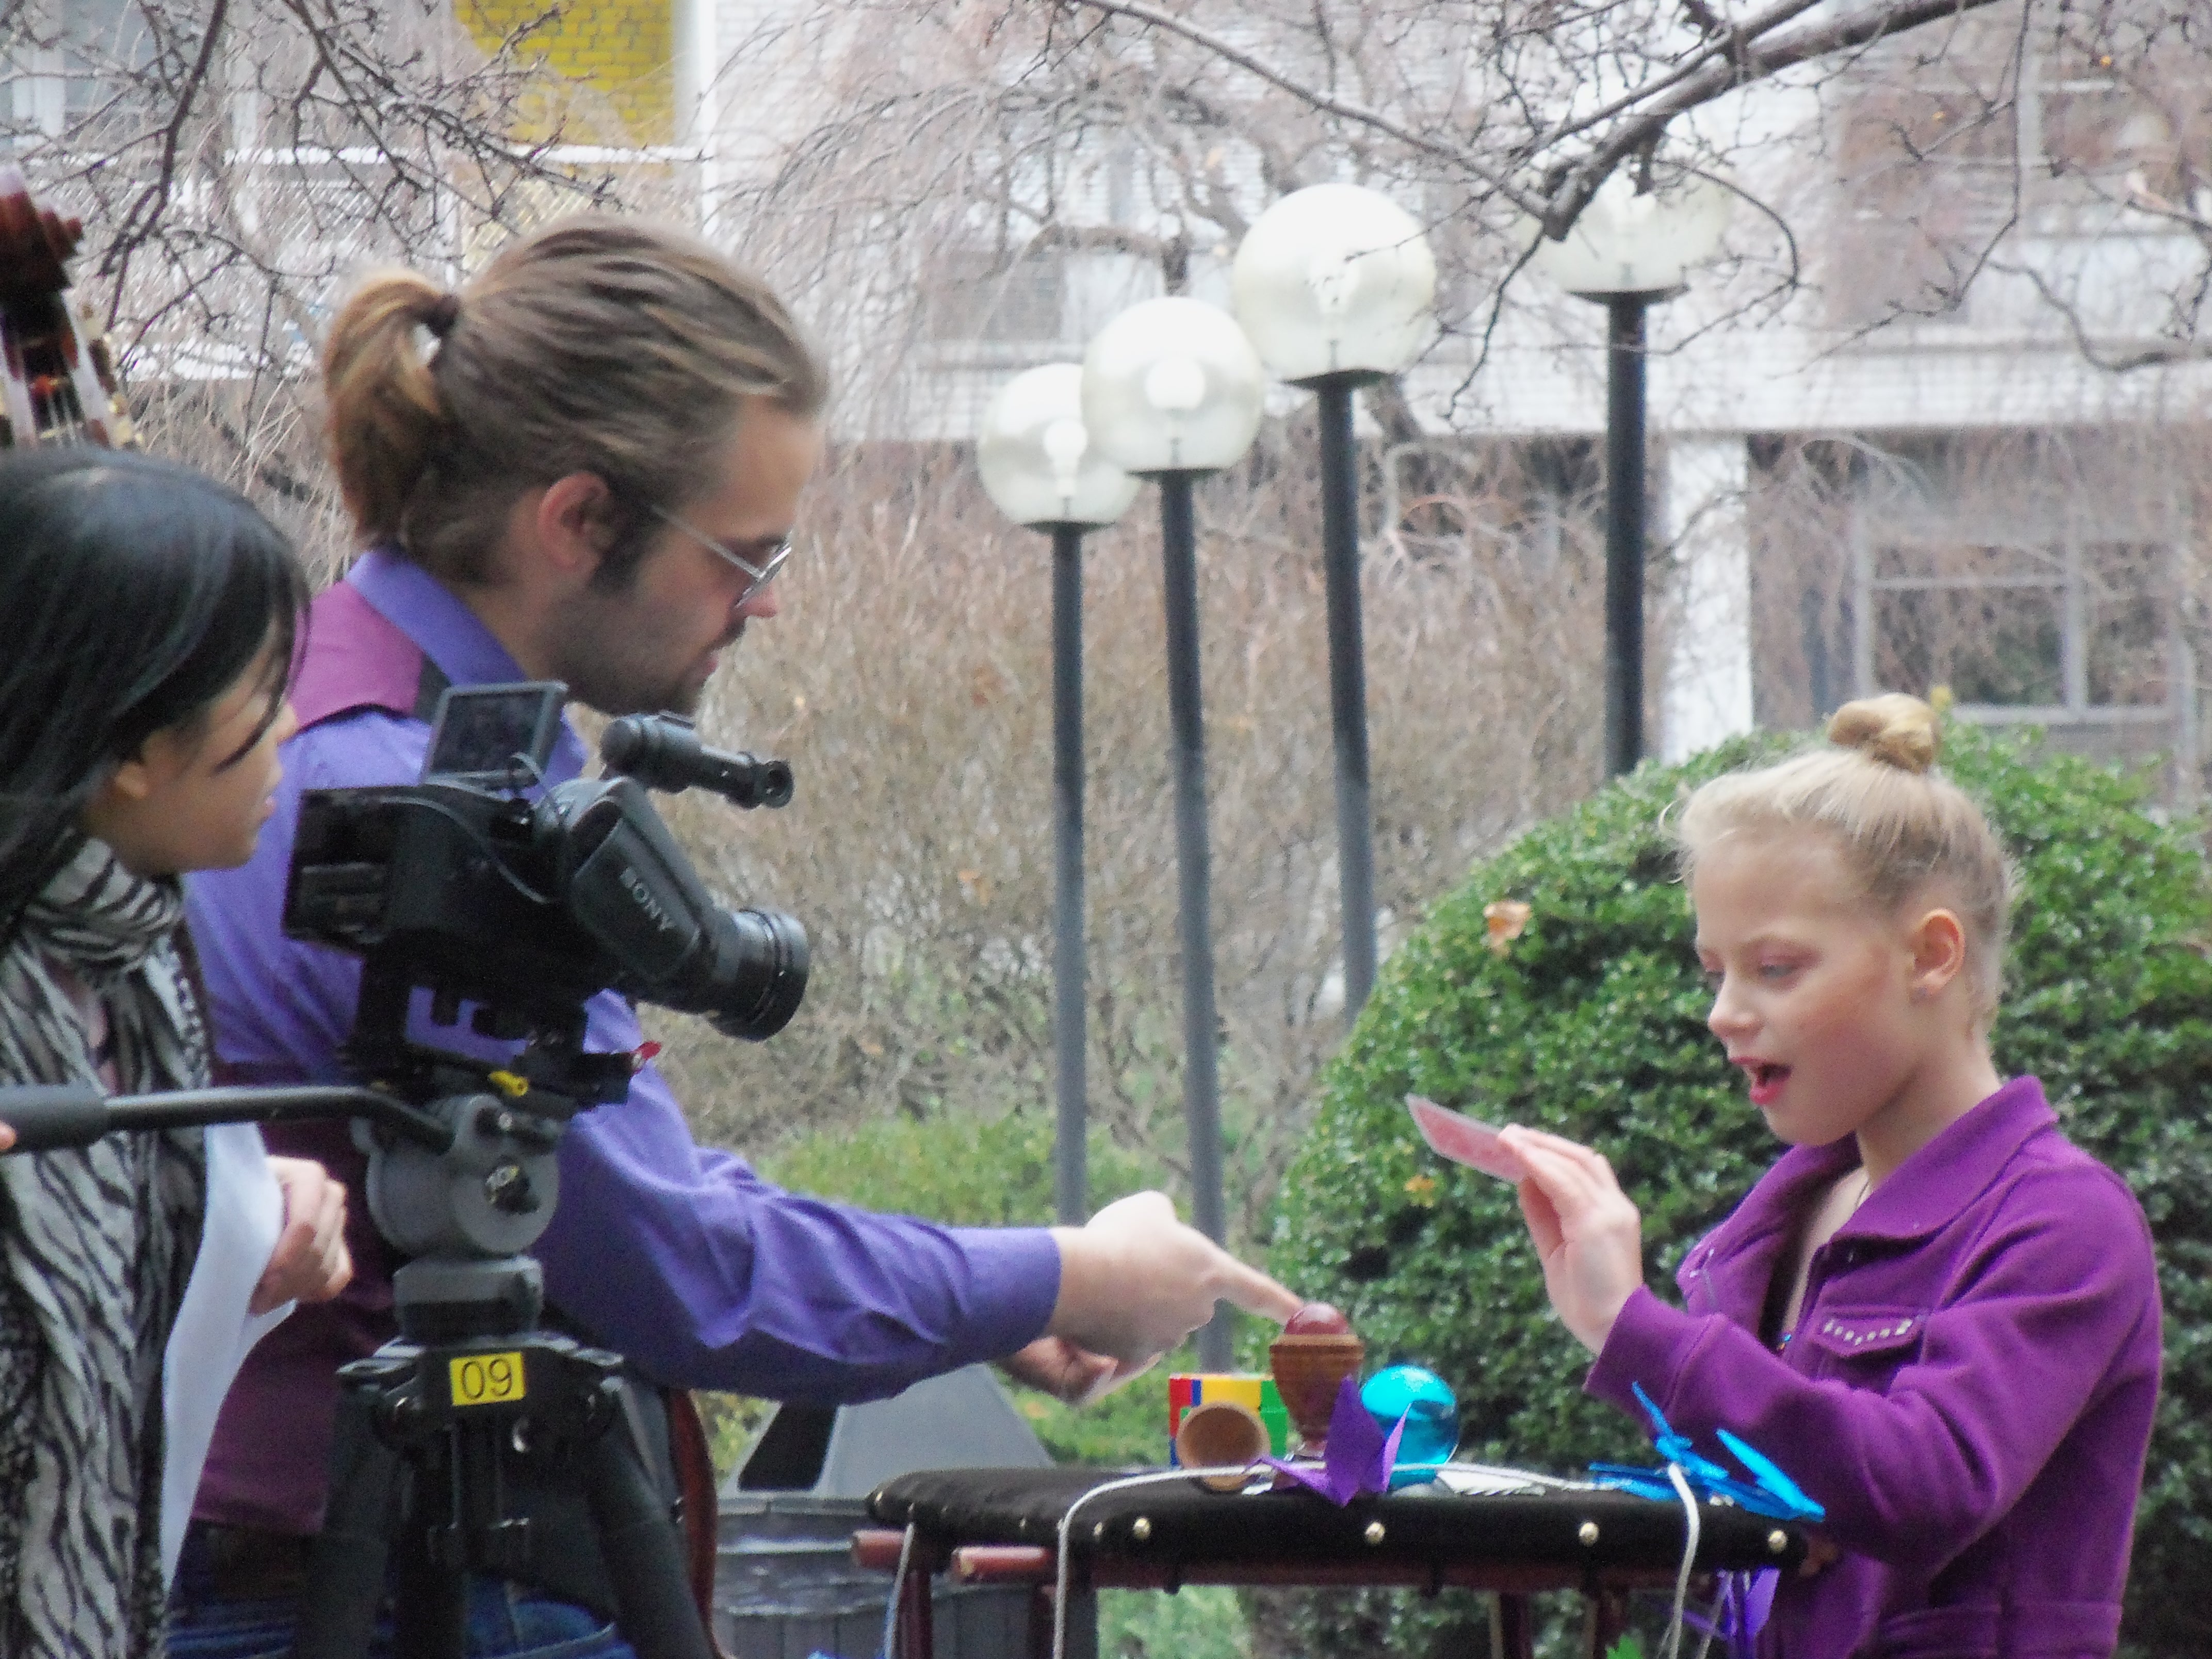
680	1257
1968	1391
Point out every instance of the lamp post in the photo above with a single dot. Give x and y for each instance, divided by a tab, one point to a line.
1040	468
1334	283
1172	389
1627	250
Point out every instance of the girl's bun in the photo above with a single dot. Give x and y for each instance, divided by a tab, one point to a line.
1893	729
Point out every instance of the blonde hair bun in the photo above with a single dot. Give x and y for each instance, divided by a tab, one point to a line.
1906	831
1894	729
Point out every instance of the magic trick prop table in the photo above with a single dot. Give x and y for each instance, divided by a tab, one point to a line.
1003	1527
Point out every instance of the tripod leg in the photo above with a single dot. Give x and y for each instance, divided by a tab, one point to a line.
431	1604
644	1554
346	1569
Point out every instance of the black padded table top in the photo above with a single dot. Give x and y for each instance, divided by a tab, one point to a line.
1180	1521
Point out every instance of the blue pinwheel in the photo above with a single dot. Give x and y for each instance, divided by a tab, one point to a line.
1769	1491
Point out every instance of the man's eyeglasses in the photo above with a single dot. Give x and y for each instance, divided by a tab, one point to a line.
761	574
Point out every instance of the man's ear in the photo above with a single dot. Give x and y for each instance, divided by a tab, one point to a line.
570	522
1939	953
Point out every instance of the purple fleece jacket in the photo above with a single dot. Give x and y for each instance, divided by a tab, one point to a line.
1969	1391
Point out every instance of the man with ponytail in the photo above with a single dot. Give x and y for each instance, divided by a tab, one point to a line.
583	466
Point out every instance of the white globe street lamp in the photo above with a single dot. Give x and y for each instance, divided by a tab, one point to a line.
1041	470
1624	242
1334	280
1171	388
1039	465
1627	250
1336	286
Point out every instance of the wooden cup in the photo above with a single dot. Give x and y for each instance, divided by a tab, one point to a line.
1221	1434
1308	1371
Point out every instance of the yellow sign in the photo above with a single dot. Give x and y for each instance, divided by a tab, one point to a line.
487	1379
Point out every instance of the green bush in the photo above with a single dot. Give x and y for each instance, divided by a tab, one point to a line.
1592	1024
962	1168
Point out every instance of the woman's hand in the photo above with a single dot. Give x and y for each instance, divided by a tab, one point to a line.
7	1137
311	1262
1587	1233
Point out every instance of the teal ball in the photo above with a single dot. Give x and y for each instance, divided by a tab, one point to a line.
1431	1412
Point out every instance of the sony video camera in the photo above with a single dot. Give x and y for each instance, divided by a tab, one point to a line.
525	908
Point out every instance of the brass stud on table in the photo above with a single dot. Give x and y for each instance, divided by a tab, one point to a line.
1374	1533
1587	1532
1099	1533
1776	1541
1141	1529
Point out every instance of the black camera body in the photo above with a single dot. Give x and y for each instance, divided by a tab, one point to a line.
527	909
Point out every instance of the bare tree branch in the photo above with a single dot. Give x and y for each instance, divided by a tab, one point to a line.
2163	354
144	213
1754	63
1457	155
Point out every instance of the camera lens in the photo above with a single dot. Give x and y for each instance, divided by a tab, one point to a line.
761	960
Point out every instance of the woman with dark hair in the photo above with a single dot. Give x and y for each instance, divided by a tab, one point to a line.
150	614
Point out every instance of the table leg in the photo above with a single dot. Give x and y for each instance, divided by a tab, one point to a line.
917	1637
1608	1618
1082	1623
1512	1627
1040	1635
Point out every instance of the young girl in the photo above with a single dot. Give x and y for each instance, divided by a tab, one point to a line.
149	616
1936	1314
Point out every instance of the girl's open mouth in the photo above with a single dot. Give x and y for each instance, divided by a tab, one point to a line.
1766	1081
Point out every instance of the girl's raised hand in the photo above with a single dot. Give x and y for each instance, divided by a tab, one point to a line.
1587	1235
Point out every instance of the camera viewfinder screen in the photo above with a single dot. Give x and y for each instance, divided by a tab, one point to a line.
495	734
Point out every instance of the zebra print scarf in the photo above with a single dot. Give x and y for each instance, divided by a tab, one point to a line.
95	1247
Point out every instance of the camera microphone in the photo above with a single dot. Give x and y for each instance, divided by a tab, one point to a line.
662	751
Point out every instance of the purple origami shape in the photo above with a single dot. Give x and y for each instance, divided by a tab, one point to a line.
1358	1457
1746	1600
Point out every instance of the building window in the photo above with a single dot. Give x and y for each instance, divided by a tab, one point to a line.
2079	636
973	295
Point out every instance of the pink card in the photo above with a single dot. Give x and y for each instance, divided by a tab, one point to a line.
1461	1138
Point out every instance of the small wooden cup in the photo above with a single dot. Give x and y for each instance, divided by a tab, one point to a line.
1308	1371
1221	1434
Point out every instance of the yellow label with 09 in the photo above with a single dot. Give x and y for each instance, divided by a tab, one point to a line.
487	1379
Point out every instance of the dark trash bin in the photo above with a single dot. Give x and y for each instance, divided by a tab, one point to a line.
785	1584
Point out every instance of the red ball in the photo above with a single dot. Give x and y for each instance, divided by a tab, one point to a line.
1317	1319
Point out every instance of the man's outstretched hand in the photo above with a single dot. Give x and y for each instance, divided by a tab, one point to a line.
1136	1282
1060	1368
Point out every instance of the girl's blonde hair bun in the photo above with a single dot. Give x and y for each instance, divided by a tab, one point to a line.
1906	831
1895	729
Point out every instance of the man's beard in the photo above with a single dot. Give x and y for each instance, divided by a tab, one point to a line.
597	651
